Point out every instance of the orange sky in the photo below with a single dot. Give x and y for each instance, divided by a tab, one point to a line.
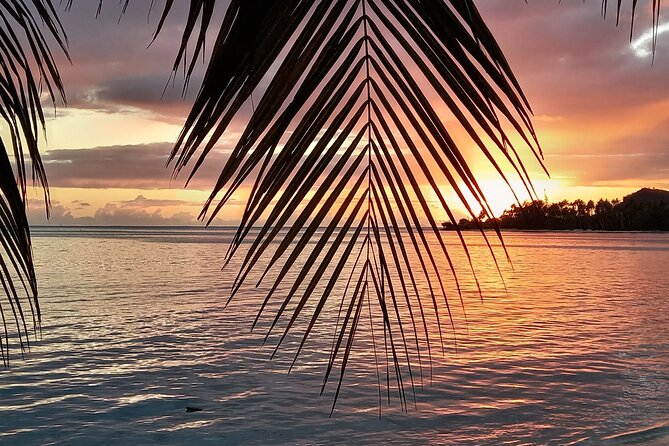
601	113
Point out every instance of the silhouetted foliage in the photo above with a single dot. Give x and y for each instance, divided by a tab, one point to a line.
644	210
28	77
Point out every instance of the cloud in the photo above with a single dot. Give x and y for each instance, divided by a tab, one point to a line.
548	118
141	93
138	212
146	90
112	214
114	67
142	202
642	158
141	166
591	67
643	45
592	169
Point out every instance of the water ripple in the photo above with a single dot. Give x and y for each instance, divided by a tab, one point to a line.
575	352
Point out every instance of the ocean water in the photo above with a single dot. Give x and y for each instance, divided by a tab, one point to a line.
573	348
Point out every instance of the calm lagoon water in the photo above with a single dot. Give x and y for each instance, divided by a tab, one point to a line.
574	351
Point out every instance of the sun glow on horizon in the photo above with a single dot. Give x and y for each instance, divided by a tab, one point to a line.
500	196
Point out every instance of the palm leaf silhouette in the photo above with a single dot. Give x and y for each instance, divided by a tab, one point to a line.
332	141
344	133
341	137
27	68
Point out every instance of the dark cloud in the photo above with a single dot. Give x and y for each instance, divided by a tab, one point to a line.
145	90
140	166
116	63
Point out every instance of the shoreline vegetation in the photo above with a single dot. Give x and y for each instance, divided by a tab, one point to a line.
644	210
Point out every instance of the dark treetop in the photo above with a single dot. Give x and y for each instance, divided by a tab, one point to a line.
644	210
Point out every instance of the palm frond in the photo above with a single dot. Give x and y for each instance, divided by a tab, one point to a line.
344	141
27	74
341	143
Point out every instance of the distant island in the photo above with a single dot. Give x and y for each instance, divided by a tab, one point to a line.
644	210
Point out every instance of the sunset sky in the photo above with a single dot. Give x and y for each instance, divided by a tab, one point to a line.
601	111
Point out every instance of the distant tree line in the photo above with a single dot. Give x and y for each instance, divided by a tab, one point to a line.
645	210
